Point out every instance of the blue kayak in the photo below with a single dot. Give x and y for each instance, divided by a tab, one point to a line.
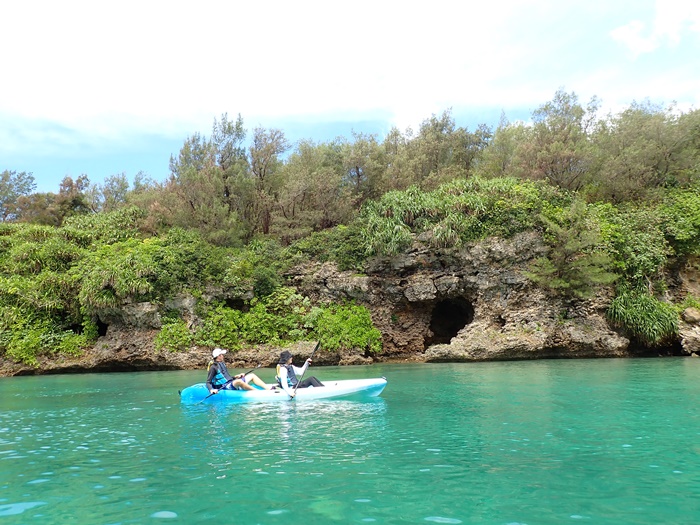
347	388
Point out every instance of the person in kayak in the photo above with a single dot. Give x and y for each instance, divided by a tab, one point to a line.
219	378
287	374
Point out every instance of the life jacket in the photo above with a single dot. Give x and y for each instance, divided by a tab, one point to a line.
291	376
219	379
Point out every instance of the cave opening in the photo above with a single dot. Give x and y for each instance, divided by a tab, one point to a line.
448	317
101	328
237	304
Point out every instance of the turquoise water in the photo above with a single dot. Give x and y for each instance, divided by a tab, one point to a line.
535	443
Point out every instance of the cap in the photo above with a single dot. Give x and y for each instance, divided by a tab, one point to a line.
284	357
217	352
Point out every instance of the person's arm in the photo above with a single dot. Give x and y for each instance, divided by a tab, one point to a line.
210	377
301	371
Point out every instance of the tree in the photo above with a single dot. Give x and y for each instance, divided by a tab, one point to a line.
196	154
432	146
109	195
265	151
13	185
37	208
200	204
642	149
558	151
51	208
576	264
469	147
364	165
499	156
230	153
228	140
431	154
203	181
396	175
314	196
72	198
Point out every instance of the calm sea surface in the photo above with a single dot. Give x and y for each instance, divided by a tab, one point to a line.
536	443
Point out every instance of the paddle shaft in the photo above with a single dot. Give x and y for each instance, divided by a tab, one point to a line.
305	369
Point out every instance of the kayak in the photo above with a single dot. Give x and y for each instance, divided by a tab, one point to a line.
345	388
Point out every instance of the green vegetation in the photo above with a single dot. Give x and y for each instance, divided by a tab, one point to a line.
615	198
576	264
456	213
54	282
650	320
280	318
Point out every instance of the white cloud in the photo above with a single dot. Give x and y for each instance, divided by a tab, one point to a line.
105	72
152	63
631	35
672	20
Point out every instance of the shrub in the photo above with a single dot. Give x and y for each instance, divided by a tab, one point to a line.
107	227
281	318
25	339
274	319
690	301
461	211
680	217
645	317
343	244
25	345
635	240
113	273
265	281
346	326
221	327
576	264
174	336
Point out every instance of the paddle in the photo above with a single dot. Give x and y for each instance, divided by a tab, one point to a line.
302	375
214	393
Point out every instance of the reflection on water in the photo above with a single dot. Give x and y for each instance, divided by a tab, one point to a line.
489	443
284	437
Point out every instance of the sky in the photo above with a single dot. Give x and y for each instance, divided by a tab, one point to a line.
104	88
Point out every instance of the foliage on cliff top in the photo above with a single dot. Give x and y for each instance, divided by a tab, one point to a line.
456	213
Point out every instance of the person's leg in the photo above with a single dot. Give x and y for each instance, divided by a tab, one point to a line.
315	381
310	381
252	378
240	384
236	384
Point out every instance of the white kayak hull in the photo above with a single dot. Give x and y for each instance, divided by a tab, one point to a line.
346	388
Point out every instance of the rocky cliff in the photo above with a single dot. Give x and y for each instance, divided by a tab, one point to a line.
472	304
476	304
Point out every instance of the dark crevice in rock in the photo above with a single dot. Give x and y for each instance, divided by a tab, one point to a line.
101	328
670	349
448	317
237	304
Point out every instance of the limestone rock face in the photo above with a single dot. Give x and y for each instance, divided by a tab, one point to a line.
689	331
691	316
469	305
139	316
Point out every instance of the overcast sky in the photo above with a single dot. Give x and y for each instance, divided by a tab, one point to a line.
99	88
